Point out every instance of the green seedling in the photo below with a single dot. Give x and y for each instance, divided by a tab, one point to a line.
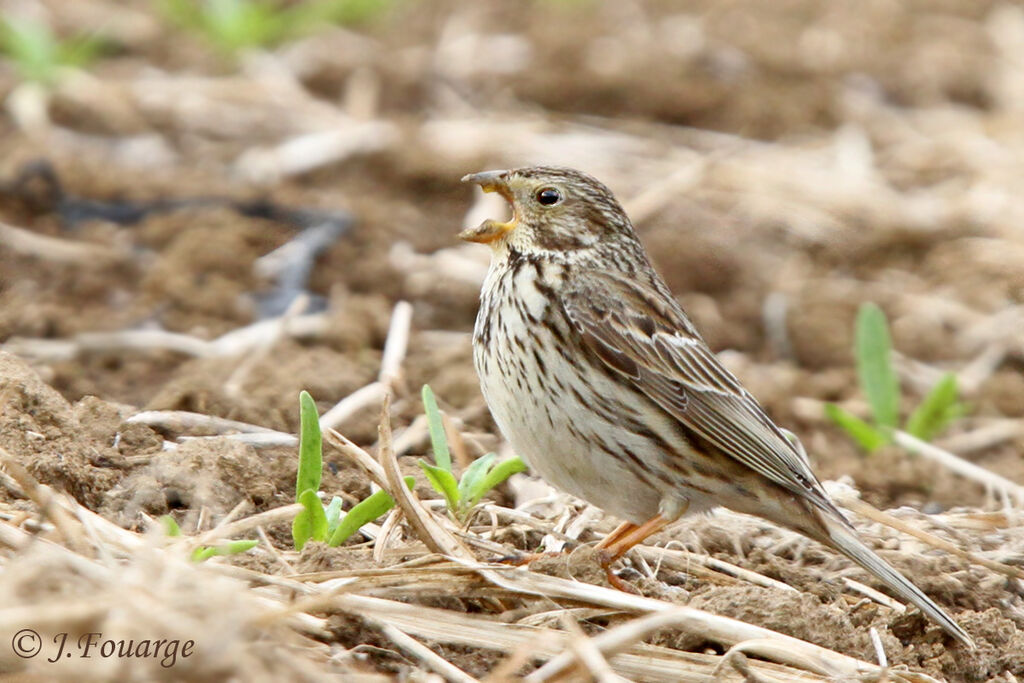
873	350
479	478
228	548
311	522
39	55
350	12
316	522
363	512
171	528
236	25
202	553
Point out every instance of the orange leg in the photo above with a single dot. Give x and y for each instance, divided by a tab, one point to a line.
612	547
618	543
616	534
520	559
631	536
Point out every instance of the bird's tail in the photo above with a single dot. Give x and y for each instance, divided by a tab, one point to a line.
845	539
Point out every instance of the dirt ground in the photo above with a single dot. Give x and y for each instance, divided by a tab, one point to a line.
784	162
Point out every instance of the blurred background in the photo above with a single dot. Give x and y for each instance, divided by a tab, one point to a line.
785	162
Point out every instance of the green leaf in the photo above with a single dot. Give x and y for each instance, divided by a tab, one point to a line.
860	431
38	53
443	482
235	547
310	522
315	521
203	553
937	410
333	514
302	529
185	13
364	512
235	25
311	462
32	47
230	548
170	526
351	11
502	471
301	18
438	439
874	365
30	44
473	477
81	50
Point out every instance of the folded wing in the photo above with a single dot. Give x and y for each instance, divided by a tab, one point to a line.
641	333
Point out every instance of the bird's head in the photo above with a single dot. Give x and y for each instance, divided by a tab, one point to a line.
554	211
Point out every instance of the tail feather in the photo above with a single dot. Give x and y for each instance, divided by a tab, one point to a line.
846	541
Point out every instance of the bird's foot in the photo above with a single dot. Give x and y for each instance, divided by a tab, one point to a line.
604	559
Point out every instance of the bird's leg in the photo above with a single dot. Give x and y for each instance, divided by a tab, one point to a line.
605	560
622	539
627	536
616	534
520	559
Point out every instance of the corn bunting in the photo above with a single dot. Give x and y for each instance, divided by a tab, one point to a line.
601	383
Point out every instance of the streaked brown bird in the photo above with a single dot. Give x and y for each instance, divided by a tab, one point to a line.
601	383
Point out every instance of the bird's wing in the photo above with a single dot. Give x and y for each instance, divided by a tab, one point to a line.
643	334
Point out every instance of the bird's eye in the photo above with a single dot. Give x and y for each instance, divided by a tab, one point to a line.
549	196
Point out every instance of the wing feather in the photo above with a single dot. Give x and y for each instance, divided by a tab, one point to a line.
643	334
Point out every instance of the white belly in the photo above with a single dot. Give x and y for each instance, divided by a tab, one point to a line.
568	462
546	417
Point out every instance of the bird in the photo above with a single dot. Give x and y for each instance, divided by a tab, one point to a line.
601	383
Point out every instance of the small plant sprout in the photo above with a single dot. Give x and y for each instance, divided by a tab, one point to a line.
349	12
873	350
362	513
236	25
228	548
479	478
312	521
316	522
202	553
39	55
171	528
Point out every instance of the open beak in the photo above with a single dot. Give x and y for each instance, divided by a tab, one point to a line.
490	230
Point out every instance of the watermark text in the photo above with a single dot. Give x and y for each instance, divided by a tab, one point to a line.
27	644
